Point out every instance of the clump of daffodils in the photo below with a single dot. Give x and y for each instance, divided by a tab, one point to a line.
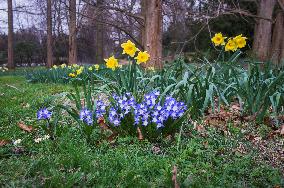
130	49
232	44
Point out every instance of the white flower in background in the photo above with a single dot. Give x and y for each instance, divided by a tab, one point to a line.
17	142
40	139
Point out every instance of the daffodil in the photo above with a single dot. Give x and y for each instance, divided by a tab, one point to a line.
240	41
111	62
151	68
75	65
142	57
218	39
80	70
129	48
97	66
72	75
90	68
63	65
231	45
55	66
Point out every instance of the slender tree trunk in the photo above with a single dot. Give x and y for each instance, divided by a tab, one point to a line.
49	35
263	28
11	64
99	34
153	31
72	32
277	38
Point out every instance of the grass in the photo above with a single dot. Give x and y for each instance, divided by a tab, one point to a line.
203	160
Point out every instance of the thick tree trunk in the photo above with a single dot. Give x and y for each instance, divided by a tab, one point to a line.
49	35
99	33
277	38
153	31
72	32
263	28
11	64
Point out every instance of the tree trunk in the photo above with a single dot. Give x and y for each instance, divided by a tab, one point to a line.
153	31
49	35
72	32
11	64
262	32
277	37
99	47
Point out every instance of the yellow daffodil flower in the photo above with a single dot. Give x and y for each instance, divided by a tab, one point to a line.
240	41
80	70
97	66
90	68
55	66
142	57
218	39
63	65
151	68
111	62
231	45
129	48
72	75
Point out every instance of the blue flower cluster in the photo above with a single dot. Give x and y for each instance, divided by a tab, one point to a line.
87	115
150	110
124	106
43	113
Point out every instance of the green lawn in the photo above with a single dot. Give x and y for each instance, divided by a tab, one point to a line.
202	160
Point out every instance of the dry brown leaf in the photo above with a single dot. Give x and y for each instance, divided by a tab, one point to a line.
101	122
174	177
282	130
112	137
4	142
140	136
24	127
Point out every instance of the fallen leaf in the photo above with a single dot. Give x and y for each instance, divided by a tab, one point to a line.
140	136
24	127
4	142
174	177
282	130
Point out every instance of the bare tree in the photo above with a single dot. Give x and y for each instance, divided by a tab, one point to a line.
99	33
11	64
49	35
263	28
72	32
152	39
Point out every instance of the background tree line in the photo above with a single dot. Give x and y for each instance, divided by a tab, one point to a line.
86	31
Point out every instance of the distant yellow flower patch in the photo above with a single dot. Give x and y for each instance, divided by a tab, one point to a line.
72	75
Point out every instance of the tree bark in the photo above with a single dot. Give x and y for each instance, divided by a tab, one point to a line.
72	32
49	35
11	64
263	28
99	47
277	37
153	31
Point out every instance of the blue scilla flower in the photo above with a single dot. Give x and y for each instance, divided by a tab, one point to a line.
86	116
43	113
101	109
114	117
